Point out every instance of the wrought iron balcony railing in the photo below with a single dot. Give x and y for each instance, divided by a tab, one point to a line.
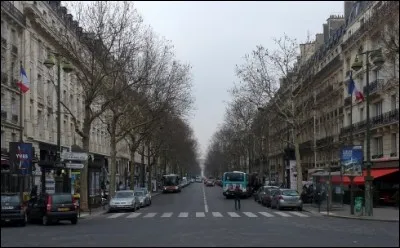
374	87
9	7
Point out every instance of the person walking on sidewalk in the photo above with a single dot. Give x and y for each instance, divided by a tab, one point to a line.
237	197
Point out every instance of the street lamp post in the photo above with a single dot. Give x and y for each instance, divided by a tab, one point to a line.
67	67
378	60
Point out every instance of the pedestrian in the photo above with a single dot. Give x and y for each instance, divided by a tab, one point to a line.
237	197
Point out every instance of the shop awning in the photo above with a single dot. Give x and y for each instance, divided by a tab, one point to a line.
360	180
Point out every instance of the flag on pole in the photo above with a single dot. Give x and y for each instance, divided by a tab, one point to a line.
23	84
352	88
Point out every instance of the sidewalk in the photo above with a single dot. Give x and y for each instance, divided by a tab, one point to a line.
101	210
390	214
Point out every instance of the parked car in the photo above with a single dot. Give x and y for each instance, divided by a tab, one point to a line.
124	200
146	192
12	209
266	198
49	208
143	199
286	198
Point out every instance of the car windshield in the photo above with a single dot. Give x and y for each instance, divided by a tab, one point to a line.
234	177
9	199
139	193
62	199
123	195
290	193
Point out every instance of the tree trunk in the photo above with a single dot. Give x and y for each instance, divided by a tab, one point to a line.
84	187
132	176
298	163
113	146
149	164
142	168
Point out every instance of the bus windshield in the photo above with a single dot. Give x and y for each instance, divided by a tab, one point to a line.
234	177
171	181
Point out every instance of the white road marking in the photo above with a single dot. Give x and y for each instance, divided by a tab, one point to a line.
150	215
299	214
266	214
249	214
282	214
205	200
183	215
200	214
233	214
217	214
166	215
133	215
115	215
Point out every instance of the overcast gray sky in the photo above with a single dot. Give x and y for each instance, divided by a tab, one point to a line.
214	36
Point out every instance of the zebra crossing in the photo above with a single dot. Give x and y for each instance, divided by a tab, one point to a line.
147	215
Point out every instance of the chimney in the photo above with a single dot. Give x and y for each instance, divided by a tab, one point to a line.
347	9
319	40
326	32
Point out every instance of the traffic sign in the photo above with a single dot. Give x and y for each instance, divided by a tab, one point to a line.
75	156
74	166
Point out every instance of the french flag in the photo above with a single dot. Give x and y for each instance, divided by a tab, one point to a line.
24	83
353	89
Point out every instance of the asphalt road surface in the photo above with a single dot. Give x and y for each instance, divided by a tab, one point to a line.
201	216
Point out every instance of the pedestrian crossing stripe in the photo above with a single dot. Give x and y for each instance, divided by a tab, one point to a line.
217	214
213	214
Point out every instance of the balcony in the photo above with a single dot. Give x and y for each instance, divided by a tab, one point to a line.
325	141
385	118
14	119
3	42
347	101
3	115
374	87
14	49
4	78
377	156
9	8
382	119
393	154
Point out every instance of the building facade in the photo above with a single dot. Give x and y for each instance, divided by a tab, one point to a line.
28	37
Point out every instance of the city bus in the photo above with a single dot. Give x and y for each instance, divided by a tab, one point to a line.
171	183
235	178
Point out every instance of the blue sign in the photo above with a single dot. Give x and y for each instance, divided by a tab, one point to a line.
21	157
351	160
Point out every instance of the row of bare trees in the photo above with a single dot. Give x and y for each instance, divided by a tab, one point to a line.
131	82
279	82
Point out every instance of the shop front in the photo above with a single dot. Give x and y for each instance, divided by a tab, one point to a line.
96	163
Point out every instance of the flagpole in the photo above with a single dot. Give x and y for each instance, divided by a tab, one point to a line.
351	143
21	138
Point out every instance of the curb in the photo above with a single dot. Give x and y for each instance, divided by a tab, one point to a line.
357	218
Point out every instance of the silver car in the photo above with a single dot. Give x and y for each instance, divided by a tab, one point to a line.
124	200
146	192
286	198
143	198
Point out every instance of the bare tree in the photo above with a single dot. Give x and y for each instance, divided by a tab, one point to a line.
281	79
109	39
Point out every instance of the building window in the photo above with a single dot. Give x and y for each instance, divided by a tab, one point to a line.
13	106
13	137
3	140
378	145
378	108
40	87
349	119
394	143
361	114
393	101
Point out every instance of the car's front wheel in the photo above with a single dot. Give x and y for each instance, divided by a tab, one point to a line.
74	221
45	220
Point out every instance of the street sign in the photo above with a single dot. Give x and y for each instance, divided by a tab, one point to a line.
352	160
75	156
74	166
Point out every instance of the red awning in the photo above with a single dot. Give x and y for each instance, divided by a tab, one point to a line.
360	180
